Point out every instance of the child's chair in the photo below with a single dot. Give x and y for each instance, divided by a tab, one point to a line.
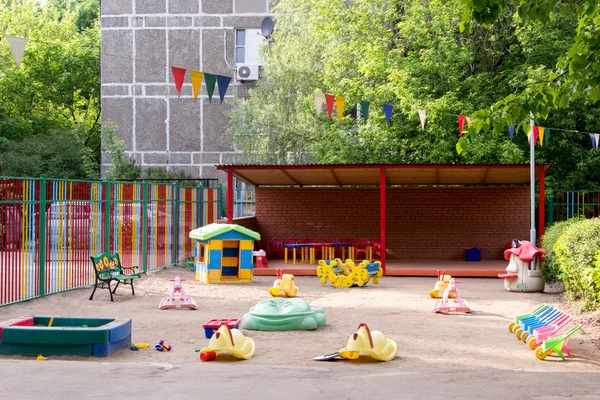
361	247
275	246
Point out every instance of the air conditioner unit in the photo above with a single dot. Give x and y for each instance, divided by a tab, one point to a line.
247	72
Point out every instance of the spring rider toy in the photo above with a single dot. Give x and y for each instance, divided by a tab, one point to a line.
170	302
519	276
284	285
365	341
447	303
441	285
348	274
228	340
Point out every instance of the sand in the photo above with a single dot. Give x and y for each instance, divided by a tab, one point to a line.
398	307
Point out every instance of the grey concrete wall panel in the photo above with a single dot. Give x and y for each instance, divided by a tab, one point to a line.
207	158
115	90
116	7
204	21
242	22
157	90
117	113
184	6
180	158
155	22
150	51
156	158
138	90
191	171
186	90
151	6
178	21
214	127
116	65
214	54
137	22
184	125
184	51
114	22
210	171
230	158
150	126
217	6
250	6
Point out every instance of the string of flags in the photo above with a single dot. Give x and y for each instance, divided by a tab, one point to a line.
222	82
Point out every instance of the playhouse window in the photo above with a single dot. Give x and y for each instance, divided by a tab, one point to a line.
202	255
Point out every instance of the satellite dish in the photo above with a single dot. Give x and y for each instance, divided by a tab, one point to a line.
266	27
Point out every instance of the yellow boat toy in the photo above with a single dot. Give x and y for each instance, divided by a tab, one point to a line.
284	286
441	285
227	340
374	344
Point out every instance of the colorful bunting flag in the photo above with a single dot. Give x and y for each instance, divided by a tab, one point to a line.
422	117
364	107
17	46
469	122
387	110
597	137
547	138
329	99
339	105
511	130
196	82
319	99
223	84
535	134
593	137
541	131
210	80
461	122
178	75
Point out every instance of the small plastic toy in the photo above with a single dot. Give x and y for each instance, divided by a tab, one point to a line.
162	346
260	259
451	304
41	358
284	285
557	344
212	325
347	274
171	302
140	345
374	344
227	340
440	285
515	324
527	325
540	334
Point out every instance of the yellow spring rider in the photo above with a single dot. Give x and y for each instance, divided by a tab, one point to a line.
347	274
440	286
284	286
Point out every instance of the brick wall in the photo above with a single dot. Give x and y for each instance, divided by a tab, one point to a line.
422	223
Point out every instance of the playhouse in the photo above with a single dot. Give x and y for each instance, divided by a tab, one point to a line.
224	253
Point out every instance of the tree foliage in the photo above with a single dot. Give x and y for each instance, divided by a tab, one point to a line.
412	54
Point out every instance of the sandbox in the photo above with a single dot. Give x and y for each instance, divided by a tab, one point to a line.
30	336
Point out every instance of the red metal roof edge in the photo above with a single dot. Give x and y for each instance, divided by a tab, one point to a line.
368	166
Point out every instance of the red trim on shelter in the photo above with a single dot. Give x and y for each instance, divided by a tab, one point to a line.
382	215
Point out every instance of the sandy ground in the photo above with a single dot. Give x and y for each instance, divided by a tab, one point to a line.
398	307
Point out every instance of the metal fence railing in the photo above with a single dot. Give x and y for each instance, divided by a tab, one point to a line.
64	222
565	205
244	203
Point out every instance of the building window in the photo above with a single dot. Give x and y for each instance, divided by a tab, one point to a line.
247	46
202	255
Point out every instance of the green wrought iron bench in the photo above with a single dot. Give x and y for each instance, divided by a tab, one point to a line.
108	268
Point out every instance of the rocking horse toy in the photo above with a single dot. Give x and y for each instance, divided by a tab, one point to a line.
171	302
447	303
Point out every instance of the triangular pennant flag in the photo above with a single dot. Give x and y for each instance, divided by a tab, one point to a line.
461	122
593	137
597	137
469	122
329	99
422	114
223	83
196	82
319	99
17	46
541	131
364	107
210	80
178	75
547	138
511	131
339	104
387	109
536	130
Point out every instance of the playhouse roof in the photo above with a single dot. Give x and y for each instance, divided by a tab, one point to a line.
210	231
394	174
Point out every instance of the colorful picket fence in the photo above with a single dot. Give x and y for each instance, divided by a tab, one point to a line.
564	205
65	222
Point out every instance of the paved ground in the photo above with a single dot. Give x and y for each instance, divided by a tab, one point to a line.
451	356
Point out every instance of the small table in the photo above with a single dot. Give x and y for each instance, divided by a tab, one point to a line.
308	251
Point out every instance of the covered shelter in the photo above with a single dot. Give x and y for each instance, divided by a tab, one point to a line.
418	211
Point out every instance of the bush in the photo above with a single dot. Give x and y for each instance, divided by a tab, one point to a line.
550	264
577	253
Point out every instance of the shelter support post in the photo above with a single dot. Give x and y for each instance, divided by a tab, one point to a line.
382	252
541	215
230	196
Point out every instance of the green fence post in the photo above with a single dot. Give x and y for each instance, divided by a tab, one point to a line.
176	229
220	213
107	207
145	229
42	253
551	209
